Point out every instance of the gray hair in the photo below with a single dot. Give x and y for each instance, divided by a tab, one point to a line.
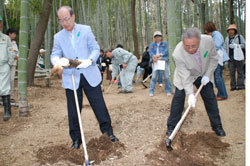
71	12
191	33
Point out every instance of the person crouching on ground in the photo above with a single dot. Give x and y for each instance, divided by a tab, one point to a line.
196	60
129	63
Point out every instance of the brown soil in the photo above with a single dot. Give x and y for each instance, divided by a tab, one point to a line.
98	150
139	121
194	150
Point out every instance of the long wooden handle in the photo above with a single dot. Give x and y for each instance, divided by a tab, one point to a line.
80	121
147	78
177	127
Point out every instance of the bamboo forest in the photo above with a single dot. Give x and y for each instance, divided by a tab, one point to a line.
51	96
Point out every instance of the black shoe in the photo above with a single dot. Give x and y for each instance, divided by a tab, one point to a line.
76	144
113	138
7	107
240	88
170	130
6	116
219	131
232	89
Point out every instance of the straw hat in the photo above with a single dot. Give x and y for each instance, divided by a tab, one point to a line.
232	26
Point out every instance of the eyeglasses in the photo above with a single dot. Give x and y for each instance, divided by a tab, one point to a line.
64	20
189	47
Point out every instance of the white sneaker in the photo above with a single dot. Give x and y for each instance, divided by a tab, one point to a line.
151	94
160	85
168	94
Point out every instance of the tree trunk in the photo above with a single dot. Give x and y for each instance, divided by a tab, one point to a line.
110	24
48	45
239	16
104	25
159	20
173	21
223	19
140	29
1	12
88	17
130	25
178	20
211	12
98	32
147	29
6	17
202	16
206	11
83	12
135	39
195	13
22	65
231	12
37	41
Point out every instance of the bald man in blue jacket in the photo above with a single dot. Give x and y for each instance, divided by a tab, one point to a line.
77	42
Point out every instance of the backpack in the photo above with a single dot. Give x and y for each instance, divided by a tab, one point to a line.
243	49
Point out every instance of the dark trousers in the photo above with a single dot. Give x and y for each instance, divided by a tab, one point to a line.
239	67
147	71
95	98
208	96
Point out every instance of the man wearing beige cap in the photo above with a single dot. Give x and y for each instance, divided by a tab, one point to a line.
232	40
158	51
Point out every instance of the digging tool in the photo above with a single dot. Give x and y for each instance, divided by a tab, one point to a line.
112	83
80	124
177	127
146	80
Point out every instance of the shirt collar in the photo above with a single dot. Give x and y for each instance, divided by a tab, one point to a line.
197	52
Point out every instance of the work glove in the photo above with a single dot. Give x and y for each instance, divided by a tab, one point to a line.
85	63
232	46
191	100
60	62
204	80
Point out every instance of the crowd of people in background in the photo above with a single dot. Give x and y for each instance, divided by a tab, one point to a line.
121	65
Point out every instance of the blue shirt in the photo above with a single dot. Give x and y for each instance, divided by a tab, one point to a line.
80	45
219	44
163	49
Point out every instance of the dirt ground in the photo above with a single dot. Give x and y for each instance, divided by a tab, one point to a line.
139	121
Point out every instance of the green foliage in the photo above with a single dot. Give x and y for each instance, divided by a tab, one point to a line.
116	18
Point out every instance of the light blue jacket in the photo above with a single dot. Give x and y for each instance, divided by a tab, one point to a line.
121	56
219	44
163	49
80	45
